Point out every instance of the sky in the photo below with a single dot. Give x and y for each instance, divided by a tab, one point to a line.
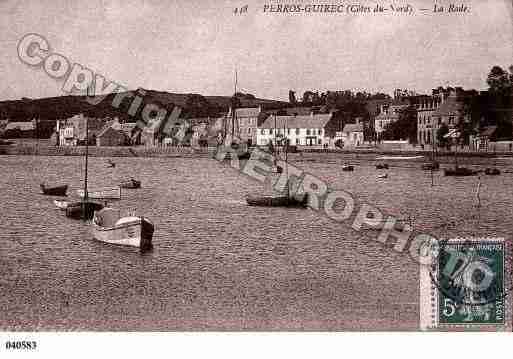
195	46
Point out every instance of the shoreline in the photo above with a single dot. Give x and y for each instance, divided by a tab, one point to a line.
140	151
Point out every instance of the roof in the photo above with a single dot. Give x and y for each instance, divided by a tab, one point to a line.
450	107
23	126
305	121
353	128
488	131
247	112
107	128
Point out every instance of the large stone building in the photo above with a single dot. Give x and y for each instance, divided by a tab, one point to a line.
443	107
72	131
245	124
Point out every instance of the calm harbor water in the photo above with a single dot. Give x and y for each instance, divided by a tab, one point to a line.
218	264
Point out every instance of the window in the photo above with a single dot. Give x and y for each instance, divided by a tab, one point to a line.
308	132
249	130
297	131
297	141
270	131
319	142
288	131
262	131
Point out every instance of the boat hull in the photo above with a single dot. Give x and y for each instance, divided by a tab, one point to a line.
62	205
460	172
269	201
137	233
82	210
132	184
111	193
54	191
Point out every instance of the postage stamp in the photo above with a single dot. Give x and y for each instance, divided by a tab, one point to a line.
465	284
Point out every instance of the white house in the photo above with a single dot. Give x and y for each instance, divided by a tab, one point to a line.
352	135
300	130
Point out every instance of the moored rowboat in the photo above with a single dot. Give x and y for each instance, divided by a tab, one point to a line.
110	227
62	205
105	193
131	183
82	210
283	201
54	191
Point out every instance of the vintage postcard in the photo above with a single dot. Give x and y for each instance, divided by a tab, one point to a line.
255	165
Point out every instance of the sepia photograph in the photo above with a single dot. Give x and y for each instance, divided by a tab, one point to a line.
255	166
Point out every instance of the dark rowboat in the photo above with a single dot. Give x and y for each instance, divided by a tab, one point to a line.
460	171
492	171
83	210
382	166
283	201
54	191
347	168
131	183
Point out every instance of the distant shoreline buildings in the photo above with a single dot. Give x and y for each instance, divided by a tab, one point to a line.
321	126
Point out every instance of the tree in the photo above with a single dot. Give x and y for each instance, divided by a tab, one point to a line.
499	80
405	128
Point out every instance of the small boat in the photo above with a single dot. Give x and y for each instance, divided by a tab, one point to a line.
492	171
111	164
131	183
82	210
399	157
105	193
62	205
54	191
433	166
384	175
382	166
134	231
347	168
282	201
460	171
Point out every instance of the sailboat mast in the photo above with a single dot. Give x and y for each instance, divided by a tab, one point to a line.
86	153
286	144
234	105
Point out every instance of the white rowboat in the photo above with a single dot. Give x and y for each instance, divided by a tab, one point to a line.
62	205
110	227
105	193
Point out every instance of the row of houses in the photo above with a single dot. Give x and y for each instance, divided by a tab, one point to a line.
250	125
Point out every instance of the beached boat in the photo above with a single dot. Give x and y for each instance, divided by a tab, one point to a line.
382	166
130	183
104	193
281	201
347	168
54	191
109	227
384	175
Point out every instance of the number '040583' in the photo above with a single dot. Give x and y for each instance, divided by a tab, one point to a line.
20	345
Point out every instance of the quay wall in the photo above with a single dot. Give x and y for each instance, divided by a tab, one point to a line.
173	151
